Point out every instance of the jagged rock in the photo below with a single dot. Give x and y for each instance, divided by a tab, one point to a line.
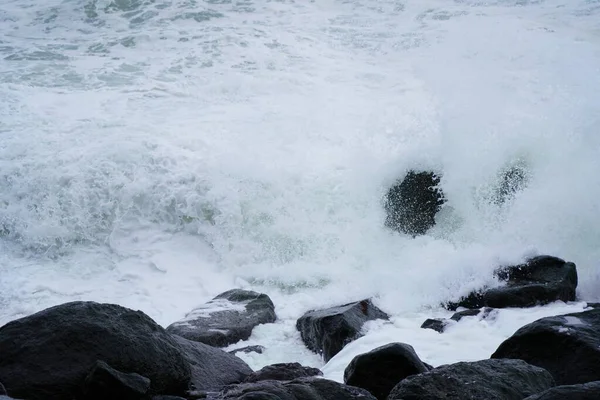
437	324
381	369
212	368
412	204
226	319
283	372
539	281
486	379
298	389
105	382
249	349
328	331
47	355
585	391
568	346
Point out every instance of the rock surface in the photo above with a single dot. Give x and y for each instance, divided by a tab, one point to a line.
249	349
437	324
2	389
48	355
486	379
328	331
226	319
381	369
212	368
283	372
568	346
104	382
584	391
412	204
440	324
298	389
541	280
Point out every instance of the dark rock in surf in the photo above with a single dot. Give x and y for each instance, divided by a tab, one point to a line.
512	180
298	389
412	204
585	391
249	349
226	319
381	369
541	280
283	372
486	379
47	355
568	346
167	397
2	389
437	324
593	305
212	368
104	382
327	331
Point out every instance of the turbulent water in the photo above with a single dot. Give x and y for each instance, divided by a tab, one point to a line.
155	153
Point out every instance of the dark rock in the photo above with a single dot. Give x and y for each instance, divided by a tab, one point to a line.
167	397
568	346
298	389
539	281
593	305
381	369
486	379
437	324
585	391
2	389
249	349
512	180
3	397
412	204
328	331
212	368
48	355
283	372
226	319
104	382
483	313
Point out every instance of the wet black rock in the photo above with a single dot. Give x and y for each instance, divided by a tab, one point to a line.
104	382
2	389
568	346
412	203
381	369
541	280
48	355
328	331
226	319
298	389
437	324
483	313
486	379
249	349
440	324
584	391
283	372
212	368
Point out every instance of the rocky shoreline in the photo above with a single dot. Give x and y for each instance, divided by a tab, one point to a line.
87	350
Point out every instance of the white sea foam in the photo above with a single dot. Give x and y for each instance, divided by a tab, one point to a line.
155	154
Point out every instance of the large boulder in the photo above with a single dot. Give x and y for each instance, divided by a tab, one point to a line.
283	372
568	346
328	331
381	369
584	391
48	355
412	204
298	389
104	382
226	319
212	368
486	379
540	280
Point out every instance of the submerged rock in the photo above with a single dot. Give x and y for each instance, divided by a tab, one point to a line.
541	280
298	389
437	324
381	369
412	204
283	372
440	324
585	391
104	382
328	331
249	349
226	319
568	346
48	355
486	379
212	368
